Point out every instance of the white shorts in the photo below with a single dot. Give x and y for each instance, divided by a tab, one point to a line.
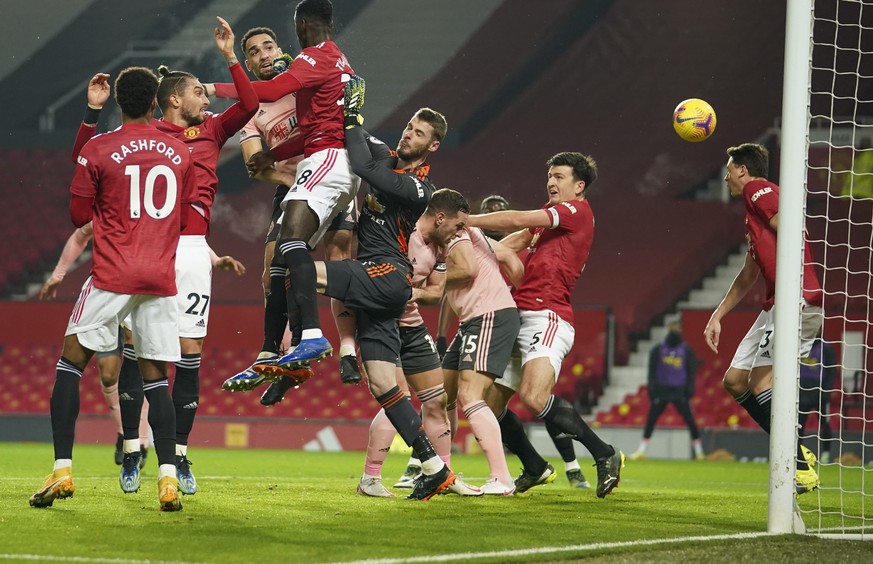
756	348
542	334
154	321
326	183
194	285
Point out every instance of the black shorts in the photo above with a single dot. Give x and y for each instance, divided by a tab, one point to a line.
417	350
273	230
484	343
378	293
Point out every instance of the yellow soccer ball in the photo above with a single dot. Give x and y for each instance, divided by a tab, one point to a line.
694	120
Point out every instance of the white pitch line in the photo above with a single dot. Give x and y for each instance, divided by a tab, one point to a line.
52	558
549	549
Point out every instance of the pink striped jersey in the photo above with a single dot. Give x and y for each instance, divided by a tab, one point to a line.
556	259
426	258
487	291
274	123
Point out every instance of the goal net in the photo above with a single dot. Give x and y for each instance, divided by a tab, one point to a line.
835	398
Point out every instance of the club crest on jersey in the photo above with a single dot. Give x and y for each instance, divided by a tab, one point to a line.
192	132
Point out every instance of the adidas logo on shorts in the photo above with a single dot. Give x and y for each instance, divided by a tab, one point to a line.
200	323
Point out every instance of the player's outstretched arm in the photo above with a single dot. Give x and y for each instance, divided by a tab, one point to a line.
511	220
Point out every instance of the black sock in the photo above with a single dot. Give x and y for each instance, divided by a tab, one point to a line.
130	395
515	439
563	416
275	310
301	269
186	395
162	419
563	443
748	402
65	407
406	420
293	314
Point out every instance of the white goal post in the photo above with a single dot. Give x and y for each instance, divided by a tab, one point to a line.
828	82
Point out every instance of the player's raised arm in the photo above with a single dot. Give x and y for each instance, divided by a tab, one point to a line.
98	93
236	116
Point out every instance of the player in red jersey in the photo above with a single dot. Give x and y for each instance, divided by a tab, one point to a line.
183	103
749	379
276	123
109	363
558	237
325	184
563	443
133	183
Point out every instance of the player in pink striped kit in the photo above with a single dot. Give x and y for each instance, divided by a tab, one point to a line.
480	351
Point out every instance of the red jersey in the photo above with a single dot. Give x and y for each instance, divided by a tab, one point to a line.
317	77
140	180
761	200
204	142
556	258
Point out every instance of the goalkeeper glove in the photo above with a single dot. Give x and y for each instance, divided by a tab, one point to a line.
353	101
282	63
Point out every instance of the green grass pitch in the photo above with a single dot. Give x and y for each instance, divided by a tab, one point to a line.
295	506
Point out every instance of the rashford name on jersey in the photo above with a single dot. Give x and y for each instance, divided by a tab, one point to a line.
136	145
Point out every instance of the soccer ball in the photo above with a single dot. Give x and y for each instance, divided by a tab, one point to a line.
694	120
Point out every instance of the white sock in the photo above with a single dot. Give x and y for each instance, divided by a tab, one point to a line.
131	445
166	470
181	450
432	466
311	334
414	461
63	463
266	354
346	350
572	465
698	448
643	445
